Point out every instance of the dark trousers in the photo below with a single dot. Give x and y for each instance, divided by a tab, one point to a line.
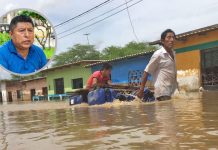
163	98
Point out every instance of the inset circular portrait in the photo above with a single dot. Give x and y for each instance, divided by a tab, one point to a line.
27	42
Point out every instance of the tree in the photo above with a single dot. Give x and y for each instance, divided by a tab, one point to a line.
88	52
77	53
4	37
130	48
41	25
112	52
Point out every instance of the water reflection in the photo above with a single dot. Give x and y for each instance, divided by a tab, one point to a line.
177	124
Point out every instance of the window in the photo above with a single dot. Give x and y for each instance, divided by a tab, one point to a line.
77	83
18	94
209	67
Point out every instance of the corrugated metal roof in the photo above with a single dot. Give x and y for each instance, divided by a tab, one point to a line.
38	78
121	58
11	82
189	33
84	62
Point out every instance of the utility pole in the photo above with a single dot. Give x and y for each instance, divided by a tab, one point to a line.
87	36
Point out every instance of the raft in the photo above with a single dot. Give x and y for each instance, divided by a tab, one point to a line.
105	95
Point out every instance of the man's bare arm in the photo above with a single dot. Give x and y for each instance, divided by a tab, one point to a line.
140	92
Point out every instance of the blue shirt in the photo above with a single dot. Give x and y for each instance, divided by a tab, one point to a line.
11	60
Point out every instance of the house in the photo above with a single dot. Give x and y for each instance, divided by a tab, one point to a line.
56	80
24	90
197	58
128	69
13	90
65	78
32	87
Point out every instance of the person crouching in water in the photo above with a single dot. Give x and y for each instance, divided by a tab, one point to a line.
101	78
162	67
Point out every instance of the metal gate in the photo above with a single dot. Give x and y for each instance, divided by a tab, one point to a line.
209	68
134	77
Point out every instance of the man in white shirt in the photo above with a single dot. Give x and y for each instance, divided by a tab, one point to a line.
162	67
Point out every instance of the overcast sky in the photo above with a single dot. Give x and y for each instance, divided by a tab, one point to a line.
150	18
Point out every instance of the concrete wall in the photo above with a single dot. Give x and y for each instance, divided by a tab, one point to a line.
188	70
68	73
3	91
198	39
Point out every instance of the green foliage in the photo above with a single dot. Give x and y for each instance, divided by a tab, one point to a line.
88	52
4	37
76	53
49	52
130	48
32	15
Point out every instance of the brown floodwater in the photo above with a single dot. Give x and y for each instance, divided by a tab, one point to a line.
189	121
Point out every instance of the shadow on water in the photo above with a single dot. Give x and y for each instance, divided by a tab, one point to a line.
182	123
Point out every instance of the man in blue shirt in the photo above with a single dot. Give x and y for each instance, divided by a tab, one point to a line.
20	55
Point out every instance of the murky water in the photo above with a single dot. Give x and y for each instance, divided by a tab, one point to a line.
186	122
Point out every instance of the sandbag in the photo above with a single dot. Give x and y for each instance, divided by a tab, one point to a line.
76	99
101	96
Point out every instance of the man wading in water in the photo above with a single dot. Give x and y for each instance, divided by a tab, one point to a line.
162	67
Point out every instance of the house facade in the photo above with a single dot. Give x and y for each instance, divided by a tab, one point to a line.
66	78
33	87
24	90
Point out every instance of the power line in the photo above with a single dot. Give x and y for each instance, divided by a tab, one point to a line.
84	13
130	20
100	20
94	18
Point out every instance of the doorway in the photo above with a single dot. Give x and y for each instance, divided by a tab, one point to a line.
10	98
59	86
1	98
32	93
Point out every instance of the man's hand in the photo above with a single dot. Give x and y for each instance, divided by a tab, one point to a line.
140	93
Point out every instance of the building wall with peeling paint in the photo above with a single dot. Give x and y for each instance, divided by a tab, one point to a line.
188	58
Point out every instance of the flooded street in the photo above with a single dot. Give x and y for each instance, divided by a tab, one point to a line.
188	123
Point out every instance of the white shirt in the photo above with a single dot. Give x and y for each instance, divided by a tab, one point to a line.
162	67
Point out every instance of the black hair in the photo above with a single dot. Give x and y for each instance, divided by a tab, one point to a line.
20	18
164	34
106	66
